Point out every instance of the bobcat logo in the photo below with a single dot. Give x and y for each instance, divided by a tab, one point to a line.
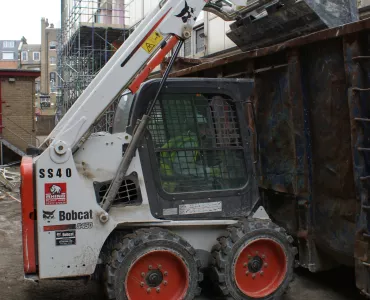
186	13
55	189
48	215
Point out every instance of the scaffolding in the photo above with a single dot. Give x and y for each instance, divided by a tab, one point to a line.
92	30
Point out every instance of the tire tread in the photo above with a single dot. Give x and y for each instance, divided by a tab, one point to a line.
126	244
224	248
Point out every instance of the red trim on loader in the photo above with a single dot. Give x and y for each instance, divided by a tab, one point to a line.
157	59
260	268
59	227
157	275
28	216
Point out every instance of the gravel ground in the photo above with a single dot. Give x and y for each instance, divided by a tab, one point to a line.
333	285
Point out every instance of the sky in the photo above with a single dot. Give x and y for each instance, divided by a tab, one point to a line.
23	18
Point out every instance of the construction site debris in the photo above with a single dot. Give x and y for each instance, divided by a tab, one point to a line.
10	180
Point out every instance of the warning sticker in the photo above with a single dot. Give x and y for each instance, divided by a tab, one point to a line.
152	41
65	238
55	193
200	208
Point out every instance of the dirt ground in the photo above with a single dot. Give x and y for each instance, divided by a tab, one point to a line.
334	285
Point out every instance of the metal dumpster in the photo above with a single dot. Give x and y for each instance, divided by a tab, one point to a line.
312	104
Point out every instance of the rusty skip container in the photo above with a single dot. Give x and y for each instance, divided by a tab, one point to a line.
312	129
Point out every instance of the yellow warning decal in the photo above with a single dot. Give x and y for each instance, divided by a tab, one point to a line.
152	41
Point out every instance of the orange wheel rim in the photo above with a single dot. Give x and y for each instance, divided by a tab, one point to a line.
157	275
260	268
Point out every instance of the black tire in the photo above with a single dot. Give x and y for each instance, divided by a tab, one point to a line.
229	249
105	256
135	248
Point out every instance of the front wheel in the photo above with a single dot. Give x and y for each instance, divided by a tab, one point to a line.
153	264
255	261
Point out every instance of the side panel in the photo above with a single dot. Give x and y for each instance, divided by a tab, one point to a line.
333	191
69	232
275	130
356	50
309	160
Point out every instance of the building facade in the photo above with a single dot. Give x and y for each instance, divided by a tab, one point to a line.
49	78
30	59
9	54
30	56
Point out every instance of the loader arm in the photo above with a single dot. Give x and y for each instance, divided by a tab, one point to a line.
158	33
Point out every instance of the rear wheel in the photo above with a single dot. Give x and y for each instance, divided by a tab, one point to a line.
155	264
254	261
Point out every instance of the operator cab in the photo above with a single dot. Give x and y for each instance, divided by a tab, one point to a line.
196	147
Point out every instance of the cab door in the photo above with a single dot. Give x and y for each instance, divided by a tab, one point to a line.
197	153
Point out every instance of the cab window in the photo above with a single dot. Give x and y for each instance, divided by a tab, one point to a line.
198	143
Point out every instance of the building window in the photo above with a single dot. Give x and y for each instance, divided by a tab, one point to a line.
52	76
44	102
52	45
37	86
24	55
187	47
53	60
8	55
36	56
8	44
199	40
52	82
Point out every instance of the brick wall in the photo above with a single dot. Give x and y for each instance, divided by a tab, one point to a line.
18	111
44	125
8	64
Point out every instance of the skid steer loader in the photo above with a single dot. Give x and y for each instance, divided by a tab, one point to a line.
171	192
